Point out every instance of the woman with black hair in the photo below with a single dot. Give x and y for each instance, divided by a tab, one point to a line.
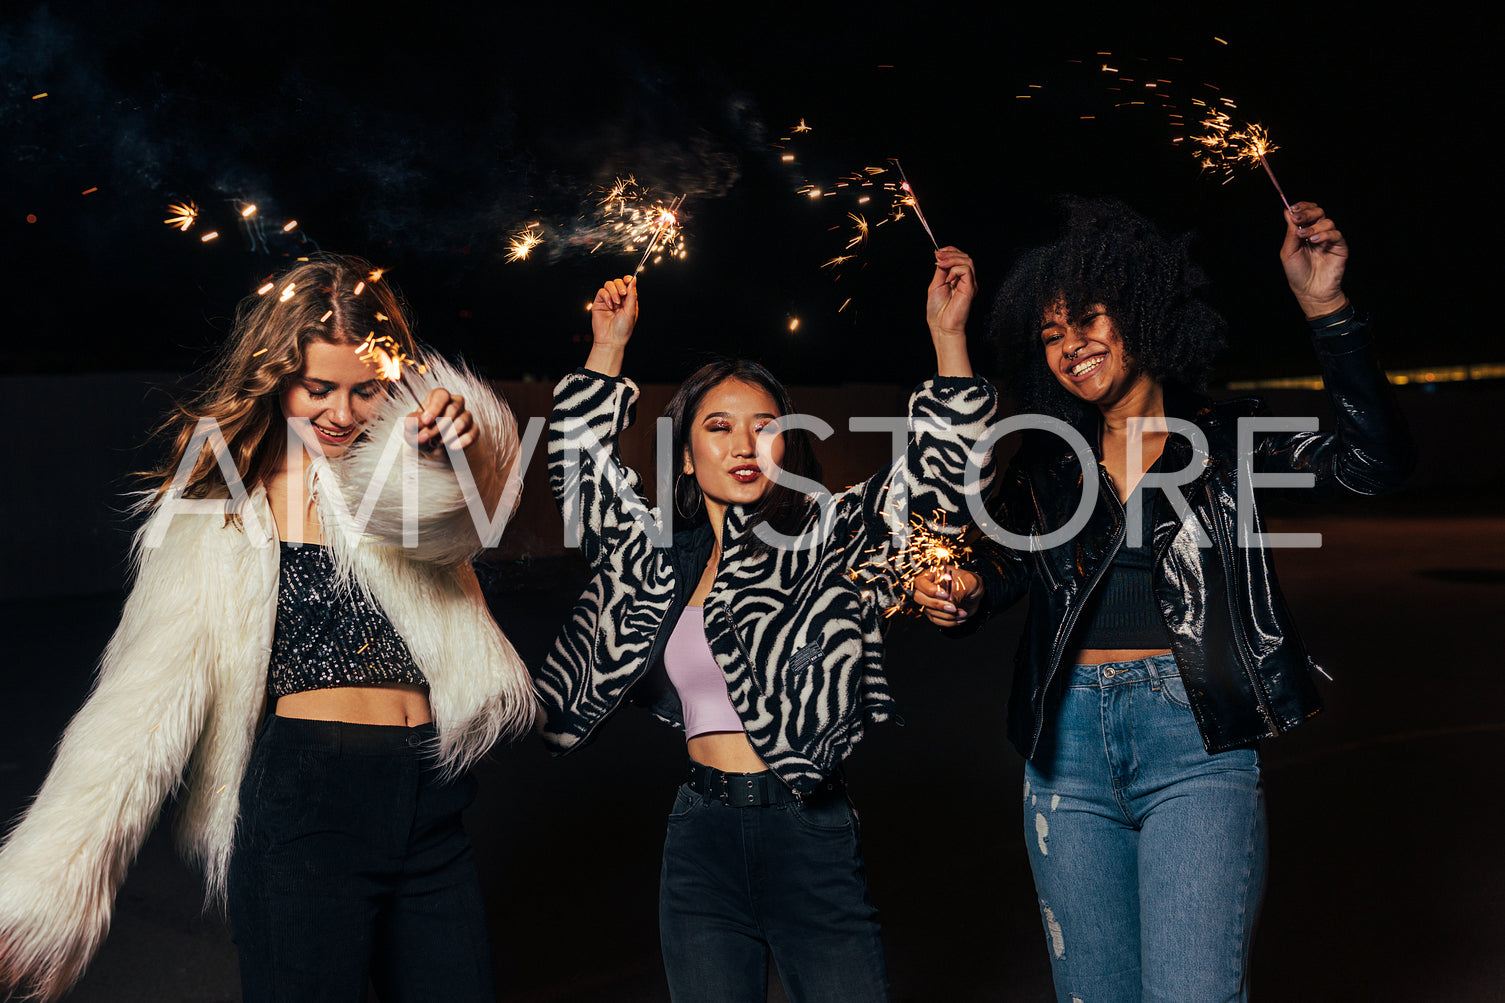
747	631
1158	650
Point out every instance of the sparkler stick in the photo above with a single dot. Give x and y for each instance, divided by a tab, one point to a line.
915	202
667	218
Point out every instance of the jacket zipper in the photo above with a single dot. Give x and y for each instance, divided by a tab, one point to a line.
1058	650
1238	628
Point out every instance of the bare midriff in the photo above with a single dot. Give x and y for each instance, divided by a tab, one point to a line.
400	704
1098	656
727	751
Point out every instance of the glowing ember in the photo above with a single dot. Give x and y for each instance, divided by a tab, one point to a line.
287	293
211	235
266	289
247	211
290	226
360	287
183	215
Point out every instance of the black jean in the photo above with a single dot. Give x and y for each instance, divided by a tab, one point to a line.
740	882
351	865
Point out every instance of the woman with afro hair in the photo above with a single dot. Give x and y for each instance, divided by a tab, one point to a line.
1158	650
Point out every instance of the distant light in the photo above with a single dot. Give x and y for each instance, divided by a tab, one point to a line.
31	217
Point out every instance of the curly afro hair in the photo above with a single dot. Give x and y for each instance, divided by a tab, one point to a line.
1107	254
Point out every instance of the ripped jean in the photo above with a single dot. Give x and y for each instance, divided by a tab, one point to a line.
1148	853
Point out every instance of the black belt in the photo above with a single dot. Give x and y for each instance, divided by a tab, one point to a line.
753	790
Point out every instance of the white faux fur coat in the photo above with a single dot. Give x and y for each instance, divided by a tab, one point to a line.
182	685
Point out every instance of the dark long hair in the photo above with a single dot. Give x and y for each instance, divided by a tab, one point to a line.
1109	254
783	508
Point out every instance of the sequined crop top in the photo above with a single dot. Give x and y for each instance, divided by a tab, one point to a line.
330	635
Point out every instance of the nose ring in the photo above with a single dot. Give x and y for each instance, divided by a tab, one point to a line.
1071	356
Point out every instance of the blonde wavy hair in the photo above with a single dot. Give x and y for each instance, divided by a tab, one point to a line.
336	299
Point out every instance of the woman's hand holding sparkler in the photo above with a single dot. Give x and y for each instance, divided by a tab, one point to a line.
946	309
614	312
445	425
948	596
1314	256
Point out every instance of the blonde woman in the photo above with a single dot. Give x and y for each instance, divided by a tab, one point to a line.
318	685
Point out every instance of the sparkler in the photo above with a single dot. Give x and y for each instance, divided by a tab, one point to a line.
668	222
924	551
911	200
384	353
183	215
1223	147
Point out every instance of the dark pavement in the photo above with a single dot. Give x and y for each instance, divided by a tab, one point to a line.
1386	883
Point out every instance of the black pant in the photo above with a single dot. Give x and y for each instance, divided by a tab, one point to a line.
739	883
351	864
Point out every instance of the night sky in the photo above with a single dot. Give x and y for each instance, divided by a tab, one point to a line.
423	136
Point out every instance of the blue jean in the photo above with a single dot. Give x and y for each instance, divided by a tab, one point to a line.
739	882
1148	853
351	865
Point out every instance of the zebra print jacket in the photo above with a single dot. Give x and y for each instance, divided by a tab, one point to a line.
799	640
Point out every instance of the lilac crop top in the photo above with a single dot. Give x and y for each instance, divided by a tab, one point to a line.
700	682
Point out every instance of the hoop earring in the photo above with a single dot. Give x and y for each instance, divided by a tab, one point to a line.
682	513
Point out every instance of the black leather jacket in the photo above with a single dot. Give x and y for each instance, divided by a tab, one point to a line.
1246	672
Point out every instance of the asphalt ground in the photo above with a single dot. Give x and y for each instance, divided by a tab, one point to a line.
1385	811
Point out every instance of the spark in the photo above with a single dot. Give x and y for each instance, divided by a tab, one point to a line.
287	293
383	352
667	223
89	191
266	289
183	215
376	274
840	259
862	230
211	235
794	323
248	211
290	226
261	351
38	97
1222	146
360	287
327	314
925	551
523	242
802	127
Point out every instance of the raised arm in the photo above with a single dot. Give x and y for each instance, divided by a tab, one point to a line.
595	491
1369	449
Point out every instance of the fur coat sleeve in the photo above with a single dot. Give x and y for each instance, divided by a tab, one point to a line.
155	695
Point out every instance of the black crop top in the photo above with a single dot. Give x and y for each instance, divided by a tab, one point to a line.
328	634
1124	613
